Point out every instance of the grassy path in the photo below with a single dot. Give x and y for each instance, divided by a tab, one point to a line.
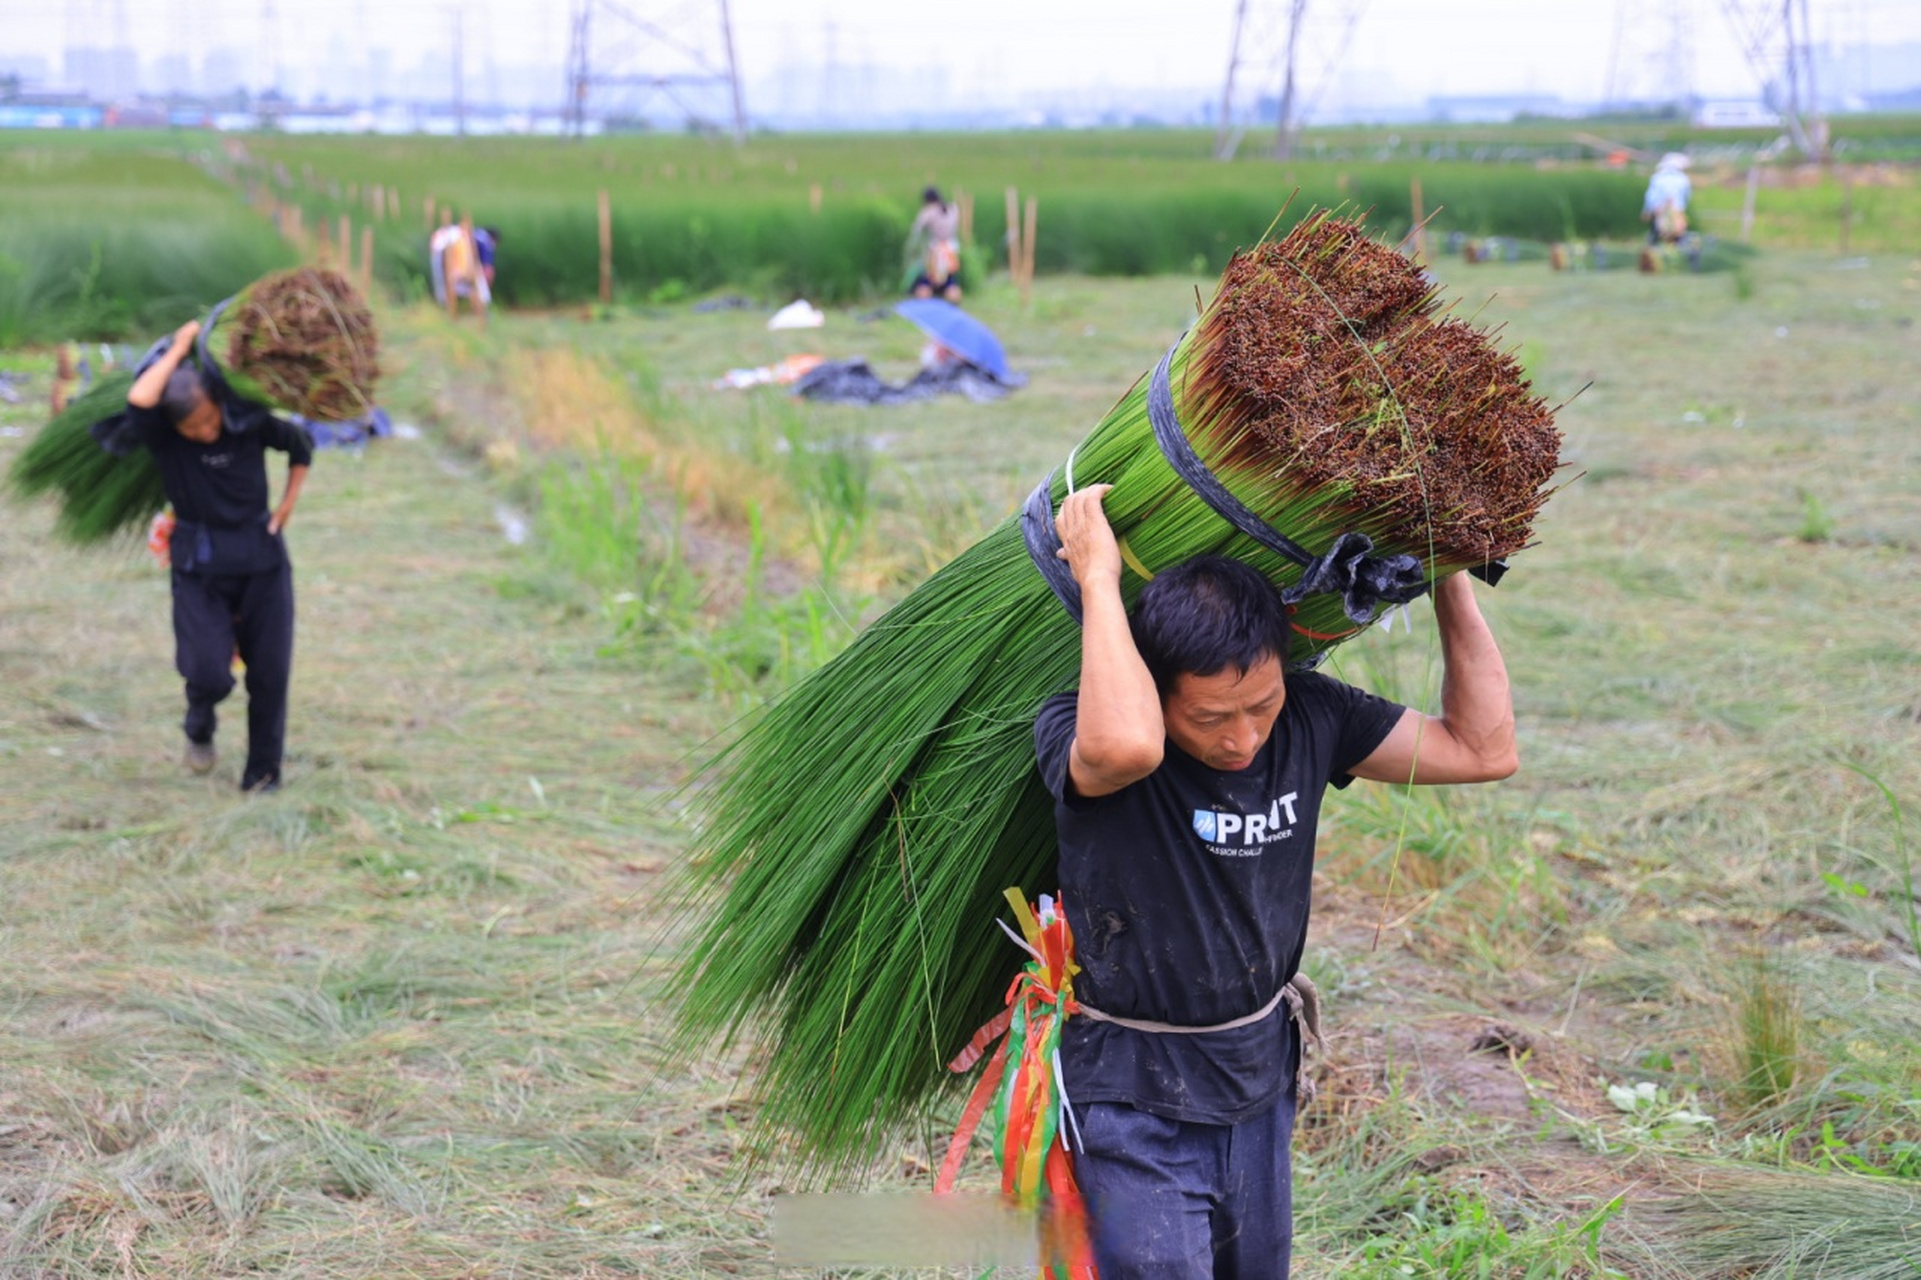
387	1022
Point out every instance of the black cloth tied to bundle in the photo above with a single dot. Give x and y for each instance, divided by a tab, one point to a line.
1368	584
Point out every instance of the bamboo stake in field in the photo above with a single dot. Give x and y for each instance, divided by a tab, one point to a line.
1028	237
1847	206
1747	202
1014	235
427	213
367	260
606	249
346	243
1419	234
964	202
813	198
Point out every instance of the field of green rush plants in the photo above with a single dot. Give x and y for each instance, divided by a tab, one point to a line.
100	238
110	235
692	215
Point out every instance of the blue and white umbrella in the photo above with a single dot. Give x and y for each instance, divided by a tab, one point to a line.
959	332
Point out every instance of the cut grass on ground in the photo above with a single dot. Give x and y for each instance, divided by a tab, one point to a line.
402	1018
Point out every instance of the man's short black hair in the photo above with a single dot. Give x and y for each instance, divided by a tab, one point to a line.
182	394
931	196
1205	615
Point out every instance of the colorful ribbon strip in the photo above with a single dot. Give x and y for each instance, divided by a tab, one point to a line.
1020	1095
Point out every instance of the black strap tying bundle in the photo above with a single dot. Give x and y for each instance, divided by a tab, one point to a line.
1044	545
1366	582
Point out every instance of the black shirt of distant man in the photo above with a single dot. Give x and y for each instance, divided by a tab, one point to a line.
1187	893
222	485
232	580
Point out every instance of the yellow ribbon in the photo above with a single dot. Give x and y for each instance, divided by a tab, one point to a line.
1133	561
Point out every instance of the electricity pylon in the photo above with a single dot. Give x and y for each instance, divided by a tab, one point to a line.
683	53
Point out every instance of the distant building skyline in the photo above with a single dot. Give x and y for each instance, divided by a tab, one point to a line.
831	70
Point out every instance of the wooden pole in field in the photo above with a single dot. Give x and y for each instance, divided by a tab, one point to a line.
323	248
1013	235
427	212
1847	207
813	198
964	203
1747	202
346	243
1419	233
367	260
607	249
1028	237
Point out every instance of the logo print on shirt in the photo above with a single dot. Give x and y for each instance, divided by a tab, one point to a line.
1233	833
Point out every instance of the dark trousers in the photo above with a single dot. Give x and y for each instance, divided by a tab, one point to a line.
1170	1200
213	614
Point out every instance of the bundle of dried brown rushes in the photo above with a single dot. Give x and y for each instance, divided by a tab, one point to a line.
1325	366
304	340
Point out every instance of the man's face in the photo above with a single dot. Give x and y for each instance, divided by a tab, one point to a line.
202	423
1224	719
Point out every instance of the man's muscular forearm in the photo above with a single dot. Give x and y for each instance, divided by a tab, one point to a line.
1472	740
1119	737
296	479
147	389
1477	705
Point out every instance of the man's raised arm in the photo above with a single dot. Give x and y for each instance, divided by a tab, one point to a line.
1118	734
1472	740
147	389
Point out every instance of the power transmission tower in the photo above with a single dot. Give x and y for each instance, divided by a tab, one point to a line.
270	45
1778	41
1275	38
1651	57
460	71
670	54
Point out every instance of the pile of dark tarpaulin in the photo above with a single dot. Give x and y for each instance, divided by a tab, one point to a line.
855	382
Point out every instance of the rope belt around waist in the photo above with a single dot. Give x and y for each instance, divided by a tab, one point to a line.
1303	1005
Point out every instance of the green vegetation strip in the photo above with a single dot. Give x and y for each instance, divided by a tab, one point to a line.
100	242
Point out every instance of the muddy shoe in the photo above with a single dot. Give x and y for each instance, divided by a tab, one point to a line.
199	757
261	786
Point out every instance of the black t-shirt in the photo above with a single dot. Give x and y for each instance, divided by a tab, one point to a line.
222	485
1188	896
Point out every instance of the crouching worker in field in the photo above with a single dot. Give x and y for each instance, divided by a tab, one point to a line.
1187	773
232	581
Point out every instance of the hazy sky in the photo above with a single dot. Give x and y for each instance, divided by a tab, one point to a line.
1399	49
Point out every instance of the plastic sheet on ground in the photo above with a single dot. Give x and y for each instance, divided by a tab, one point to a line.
354	433
782	373
801	314
855	382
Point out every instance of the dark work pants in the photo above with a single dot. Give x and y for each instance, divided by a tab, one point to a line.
1171	1200
213	614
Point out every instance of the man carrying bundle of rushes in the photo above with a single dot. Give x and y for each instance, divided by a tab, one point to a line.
1187	773
232	581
